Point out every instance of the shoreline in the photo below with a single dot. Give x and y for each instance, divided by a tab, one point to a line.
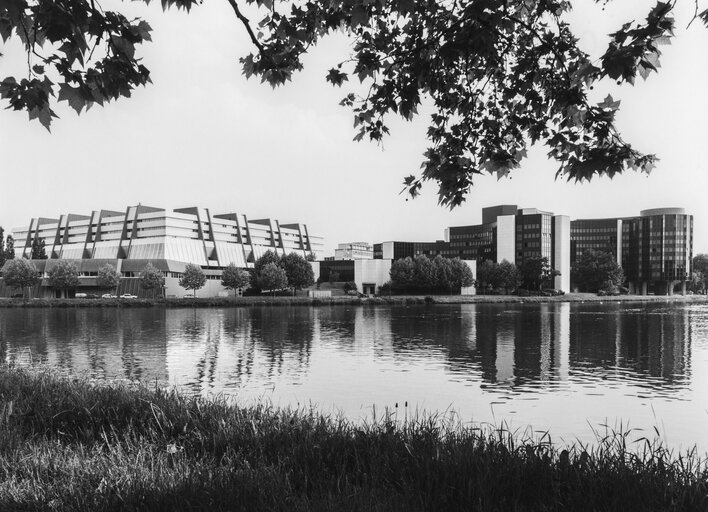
254	301
73	444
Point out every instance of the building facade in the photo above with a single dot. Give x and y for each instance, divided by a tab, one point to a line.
654	249
514	234
394	250
169	239
354	251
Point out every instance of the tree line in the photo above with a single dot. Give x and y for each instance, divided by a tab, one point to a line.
421	275
271	272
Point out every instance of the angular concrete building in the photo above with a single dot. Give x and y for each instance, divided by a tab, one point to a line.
169	239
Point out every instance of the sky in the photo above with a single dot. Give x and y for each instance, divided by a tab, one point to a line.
203	135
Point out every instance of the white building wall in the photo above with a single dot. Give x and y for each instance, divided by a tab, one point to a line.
561	252
372	272
387	250
506	238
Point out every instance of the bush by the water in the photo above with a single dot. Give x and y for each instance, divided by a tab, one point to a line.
73	444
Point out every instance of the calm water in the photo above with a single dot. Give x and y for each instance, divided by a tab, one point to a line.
558	367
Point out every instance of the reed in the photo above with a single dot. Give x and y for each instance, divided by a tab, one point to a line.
75	444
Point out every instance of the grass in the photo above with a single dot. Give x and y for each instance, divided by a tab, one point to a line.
71	444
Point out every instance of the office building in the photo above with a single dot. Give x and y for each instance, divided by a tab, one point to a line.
655	249
169	239
513	234
354	251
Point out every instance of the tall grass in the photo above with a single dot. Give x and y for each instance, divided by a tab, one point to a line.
70	444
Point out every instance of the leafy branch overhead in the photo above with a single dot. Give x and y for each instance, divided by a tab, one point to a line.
499	74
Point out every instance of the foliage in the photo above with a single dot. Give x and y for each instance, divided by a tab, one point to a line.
597	270
298	271
500	74
699	278
38	250
268	257
2	247
64	275
350	286
108	277
402	274
421	275
193	278
498	277
536	272
9	248
233	278
20	273
311	256
272	277
152	279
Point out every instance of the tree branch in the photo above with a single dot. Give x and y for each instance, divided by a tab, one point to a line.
246	23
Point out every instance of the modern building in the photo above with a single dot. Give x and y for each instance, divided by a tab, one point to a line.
354	251
395	250
655	249
513	234
169	239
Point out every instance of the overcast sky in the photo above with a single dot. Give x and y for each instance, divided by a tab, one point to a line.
203	135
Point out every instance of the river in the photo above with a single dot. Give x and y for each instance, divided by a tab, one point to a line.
564	368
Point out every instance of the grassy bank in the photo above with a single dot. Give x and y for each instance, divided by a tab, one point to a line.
68	444
227	302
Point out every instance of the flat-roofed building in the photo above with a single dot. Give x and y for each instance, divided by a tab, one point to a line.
354	251
514	234
167	238
655	249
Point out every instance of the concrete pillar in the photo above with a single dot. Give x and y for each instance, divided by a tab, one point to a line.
644	287
683	288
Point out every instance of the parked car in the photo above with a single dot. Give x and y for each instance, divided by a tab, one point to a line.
128	296
188	296
80	295
108	296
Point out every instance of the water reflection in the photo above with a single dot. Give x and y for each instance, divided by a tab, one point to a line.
523	347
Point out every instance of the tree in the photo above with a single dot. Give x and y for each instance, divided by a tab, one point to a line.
108	277
20	273
500	74
272	277
492	276
595	270
536	272
38	250
153	279
402	274
64	275
700	271
9	248
509	276
233	278
298	271
193	278
2	247
424	273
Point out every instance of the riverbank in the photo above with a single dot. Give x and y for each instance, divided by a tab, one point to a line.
226	302
72	444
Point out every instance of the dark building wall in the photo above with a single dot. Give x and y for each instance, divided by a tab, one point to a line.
658	246
345	269
596	234
473	242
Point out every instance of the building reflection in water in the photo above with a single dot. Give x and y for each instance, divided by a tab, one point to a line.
516	346
97	342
